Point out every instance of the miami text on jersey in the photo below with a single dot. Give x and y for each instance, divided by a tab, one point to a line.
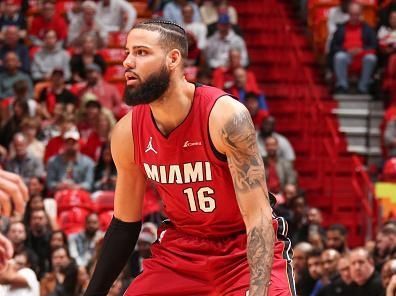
179	174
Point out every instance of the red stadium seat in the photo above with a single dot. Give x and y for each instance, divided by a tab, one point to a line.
389	171
115	74
113	55
104	201
105	219
71	199
116	39
72	221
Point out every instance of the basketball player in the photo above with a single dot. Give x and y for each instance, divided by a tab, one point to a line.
199	147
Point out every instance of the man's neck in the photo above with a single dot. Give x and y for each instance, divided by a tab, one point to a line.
176	101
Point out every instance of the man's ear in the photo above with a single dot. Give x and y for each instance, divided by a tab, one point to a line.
174	59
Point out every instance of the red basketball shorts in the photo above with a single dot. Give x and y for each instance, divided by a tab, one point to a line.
183	265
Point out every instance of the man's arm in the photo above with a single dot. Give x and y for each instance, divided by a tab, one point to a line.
233	133
123	232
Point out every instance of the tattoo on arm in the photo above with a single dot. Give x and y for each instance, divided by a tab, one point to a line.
247	169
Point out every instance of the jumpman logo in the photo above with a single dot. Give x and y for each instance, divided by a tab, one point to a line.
150	146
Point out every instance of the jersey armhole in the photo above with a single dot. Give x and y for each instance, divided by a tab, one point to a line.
220	156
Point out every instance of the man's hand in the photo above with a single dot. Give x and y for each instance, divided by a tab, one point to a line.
13	186
6	251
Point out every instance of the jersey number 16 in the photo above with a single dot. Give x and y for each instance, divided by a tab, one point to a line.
203	200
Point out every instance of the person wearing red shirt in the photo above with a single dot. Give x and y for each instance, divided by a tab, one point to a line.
223	77
47	20
353	47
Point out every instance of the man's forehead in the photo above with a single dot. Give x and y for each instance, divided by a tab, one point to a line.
144	38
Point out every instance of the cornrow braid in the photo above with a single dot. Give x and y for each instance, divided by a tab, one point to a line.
172	35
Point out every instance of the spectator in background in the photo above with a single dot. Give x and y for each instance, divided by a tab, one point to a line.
107	94
315	271
58	239
87	56
105	171
12	17
13	125
11	43
18	278
388	271
340	283
241	88
87	24
173	11
92	145
82	244
223	77
47	21
197	28
279	171
17	235
12	74
36	186
336	238
75	12
50	57
252	103
366	281
24	164
330	259
390	137
383	14
116	15
385	245
57	93
338	15
210	11
89	118
387	49
55	144
354	45
62	280
70	169
300	267
82	280
267	129
220	43
39	233
30	128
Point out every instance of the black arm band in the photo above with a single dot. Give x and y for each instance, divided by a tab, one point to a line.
118	244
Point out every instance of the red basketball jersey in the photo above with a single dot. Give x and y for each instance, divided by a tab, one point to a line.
193	180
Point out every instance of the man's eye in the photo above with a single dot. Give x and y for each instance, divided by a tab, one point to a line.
140	52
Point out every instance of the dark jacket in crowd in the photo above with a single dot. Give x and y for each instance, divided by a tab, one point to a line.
373	287
336	288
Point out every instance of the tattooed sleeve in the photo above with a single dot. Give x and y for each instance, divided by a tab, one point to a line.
248	175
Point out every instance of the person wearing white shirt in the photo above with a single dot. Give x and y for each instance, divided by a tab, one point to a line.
173	11
116	15
18	279
220	43
337	16
198	29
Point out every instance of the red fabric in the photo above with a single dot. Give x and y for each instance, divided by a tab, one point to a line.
353	36
39	27
223	78
197	191
259	117
389	170
220	267
91	145
151	202
50	101
70	199
273	178
54	147
72	221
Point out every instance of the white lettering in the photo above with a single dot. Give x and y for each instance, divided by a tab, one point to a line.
163	174
208	171
152	173
174	171
192	174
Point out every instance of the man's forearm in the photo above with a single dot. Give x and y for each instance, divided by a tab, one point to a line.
260	244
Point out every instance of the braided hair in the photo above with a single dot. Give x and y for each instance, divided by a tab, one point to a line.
172	35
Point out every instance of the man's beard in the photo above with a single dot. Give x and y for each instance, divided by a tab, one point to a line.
148	91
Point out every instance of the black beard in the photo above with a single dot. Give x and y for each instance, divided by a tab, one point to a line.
148	91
